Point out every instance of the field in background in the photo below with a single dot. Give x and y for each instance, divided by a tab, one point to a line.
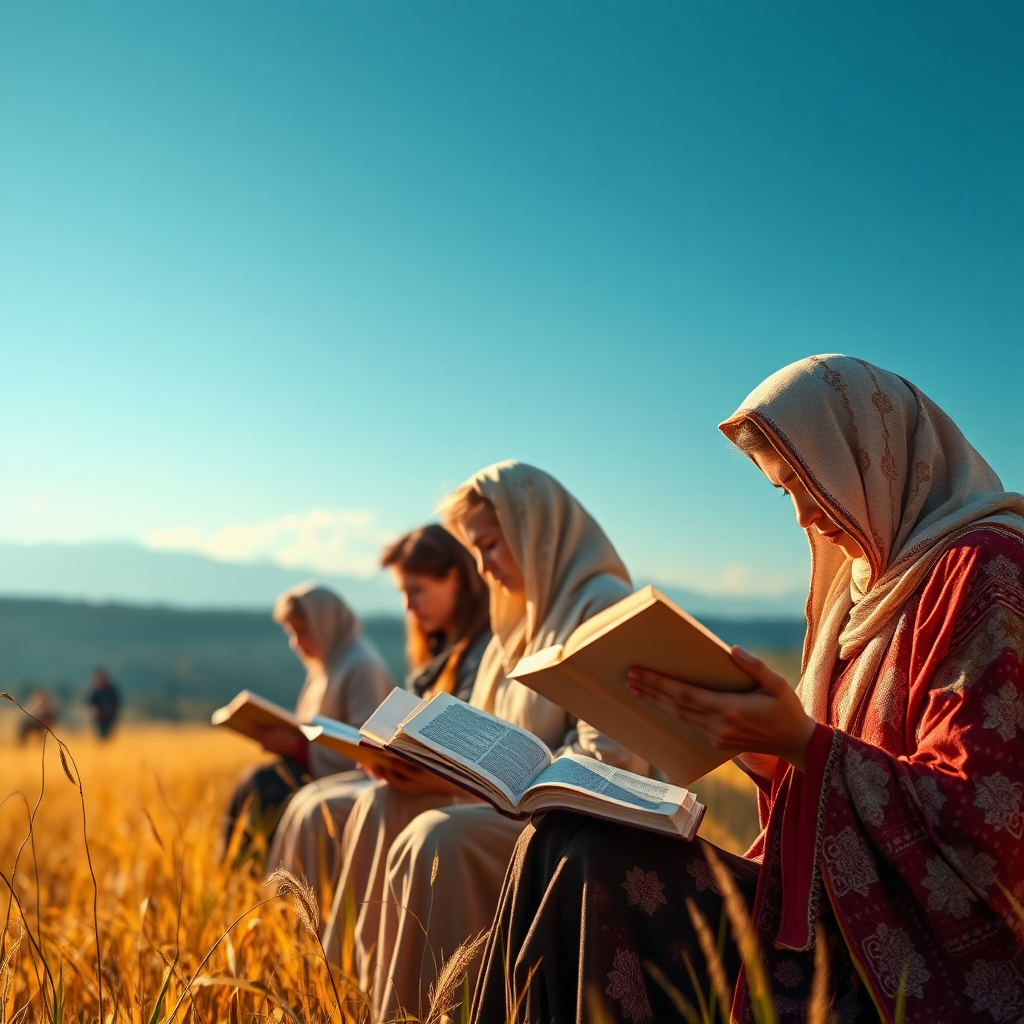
153	798
176	665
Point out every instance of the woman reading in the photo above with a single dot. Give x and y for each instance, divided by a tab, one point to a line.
447	631
424	861
345	680
891	783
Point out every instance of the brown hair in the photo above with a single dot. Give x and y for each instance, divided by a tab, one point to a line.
750	439
432	551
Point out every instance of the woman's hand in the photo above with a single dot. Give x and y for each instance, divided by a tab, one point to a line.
769	720
409	779
277	739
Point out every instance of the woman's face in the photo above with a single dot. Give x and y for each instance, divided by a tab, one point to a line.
493	555
808	512
300	637
431	602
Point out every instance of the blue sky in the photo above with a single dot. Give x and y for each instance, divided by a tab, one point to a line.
263	259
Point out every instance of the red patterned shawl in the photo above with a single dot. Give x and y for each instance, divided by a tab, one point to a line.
912	821
907	822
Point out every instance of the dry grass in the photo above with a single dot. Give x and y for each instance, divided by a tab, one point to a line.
178	933
153	799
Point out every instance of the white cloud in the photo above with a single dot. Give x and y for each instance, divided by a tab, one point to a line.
335	542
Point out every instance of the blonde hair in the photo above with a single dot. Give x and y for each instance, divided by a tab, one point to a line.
455	508
287	607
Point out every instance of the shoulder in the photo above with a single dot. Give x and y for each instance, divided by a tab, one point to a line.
600	592
361	656
977	585
986	557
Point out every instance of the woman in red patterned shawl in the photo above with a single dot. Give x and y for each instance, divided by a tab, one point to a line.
891	783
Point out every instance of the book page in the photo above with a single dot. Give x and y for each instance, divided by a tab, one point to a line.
336	730
383	725
595	776
509	757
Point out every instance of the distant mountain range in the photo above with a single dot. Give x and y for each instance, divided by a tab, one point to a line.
131	574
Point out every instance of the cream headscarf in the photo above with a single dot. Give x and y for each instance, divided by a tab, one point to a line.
568	564
894	471
334	627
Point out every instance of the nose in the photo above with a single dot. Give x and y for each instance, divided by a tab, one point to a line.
808	512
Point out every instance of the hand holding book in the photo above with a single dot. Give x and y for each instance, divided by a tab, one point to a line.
768	720
410	779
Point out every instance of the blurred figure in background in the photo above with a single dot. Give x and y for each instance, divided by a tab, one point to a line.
104	702
43	708
447	630
345	680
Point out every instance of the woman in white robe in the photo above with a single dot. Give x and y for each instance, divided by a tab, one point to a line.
423	862
447	630
345	679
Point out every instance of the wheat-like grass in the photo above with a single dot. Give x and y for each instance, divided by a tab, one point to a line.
176	927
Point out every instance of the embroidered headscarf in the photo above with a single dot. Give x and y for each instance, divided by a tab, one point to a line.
334	627
892	470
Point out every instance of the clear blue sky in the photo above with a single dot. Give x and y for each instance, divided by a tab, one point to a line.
261	258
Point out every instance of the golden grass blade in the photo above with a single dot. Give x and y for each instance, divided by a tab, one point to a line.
712	958
249	985
597	1008
679	1001
442	994
745	938
819	1006
307	909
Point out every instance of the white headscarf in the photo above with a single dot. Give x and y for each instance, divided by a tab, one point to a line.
570	571
895	472
334	627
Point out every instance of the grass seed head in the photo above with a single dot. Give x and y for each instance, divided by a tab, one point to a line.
303	898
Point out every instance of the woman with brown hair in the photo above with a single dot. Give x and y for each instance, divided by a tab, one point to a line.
422	860
891	783
446	633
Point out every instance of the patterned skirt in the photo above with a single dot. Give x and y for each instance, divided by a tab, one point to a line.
593	924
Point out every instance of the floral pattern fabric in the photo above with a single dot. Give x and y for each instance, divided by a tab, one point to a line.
921	814
902	837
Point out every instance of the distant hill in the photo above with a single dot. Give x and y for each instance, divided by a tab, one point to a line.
181	664
131	574
169	663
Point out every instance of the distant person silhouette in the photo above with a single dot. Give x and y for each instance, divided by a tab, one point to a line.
43	709
105	702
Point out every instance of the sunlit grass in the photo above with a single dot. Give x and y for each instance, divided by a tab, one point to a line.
180	931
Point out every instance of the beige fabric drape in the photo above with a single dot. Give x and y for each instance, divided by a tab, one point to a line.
571	572
348	686
305	841
352	680
894	471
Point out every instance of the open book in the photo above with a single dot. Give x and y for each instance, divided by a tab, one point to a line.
587	677
248	713
516	772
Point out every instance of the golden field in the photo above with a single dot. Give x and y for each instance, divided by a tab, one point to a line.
183	936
